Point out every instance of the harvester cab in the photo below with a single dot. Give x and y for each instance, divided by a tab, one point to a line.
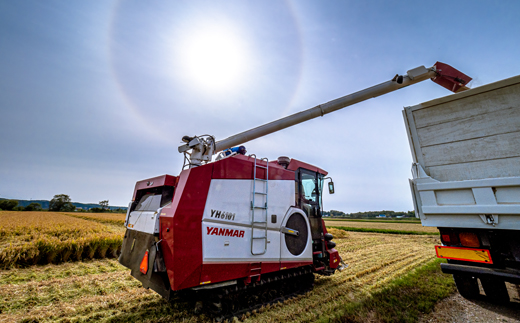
234	223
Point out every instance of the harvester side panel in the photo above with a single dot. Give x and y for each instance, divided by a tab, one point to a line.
180	227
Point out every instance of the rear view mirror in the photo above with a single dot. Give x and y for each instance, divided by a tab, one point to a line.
331	185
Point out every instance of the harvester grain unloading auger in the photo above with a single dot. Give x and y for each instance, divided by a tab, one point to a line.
234	225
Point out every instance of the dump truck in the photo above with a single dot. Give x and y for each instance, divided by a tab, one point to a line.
466	182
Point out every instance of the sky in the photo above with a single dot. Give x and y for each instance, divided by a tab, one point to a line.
96	95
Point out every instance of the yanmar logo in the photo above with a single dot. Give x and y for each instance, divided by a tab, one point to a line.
225	232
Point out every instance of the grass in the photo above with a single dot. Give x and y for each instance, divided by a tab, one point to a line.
386	231
404	299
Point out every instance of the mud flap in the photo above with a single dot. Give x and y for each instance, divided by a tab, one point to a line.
135	244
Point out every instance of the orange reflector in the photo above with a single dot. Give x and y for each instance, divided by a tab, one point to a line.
458	253
144	263
469	239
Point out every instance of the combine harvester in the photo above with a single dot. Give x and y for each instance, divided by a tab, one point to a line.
236	232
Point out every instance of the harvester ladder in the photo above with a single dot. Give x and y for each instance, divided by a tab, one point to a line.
261	226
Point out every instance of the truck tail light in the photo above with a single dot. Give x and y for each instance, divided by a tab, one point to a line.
469	239
144	264
449	238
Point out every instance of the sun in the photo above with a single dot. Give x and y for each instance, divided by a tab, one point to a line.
213	57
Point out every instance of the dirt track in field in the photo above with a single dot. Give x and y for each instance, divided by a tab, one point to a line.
456	309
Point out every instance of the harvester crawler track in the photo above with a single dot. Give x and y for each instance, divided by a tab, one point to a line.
224	303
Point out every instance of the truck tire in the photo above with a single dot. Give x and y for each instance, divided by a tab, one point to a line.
467	286
496	290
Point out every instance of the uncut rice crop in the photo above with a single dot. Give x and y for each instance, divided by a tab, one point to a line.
417	227
113	218
29	238
104	293
337	233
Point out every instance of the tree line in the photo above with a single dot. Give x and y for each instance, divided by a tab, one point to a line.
368	214
59	203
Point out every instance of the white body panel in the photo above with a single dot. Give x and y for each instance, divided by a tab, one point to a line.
466	151
228	207
144	221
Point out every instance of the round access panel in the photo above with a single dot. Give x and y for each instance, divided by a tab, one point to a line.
296	244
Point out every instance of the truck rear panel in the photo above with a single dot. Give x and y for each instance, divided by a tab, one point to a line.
466	182
466	151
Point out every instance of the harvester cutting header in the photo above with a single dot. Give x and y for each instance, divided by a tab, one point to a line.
233	224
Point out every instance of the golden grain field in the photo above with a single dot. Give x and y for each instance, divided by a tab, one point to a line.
113	218
104	291
417	227
28	238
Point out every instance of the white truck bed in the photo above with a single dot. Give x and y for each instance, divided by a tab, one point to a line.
466	153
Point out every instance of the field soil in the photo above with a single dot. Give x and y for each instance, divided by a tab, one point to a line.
103	291
379	225
456	309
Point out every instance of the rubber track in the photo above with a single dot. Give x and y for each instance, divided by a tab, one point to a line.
222	304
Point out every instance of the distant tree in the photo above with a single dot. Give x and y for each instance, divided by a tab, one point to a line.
8	205
33	207
61	202
18	208
96	210
104	204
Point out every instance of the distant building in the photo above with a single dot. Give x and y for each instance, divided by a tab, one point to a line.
381	216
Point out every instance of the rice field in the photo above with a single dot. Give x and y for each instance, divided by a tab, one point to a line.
412	227
104	291
29	238
113	218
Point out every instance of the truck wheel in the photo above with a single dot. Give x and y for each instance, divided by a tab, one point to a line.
467	286
496	290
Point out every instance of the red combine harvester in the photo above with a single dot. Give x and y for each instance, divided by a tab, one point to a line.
232	225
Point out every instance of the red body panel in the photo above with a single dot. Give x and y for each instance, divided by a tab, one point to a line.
164	180
334	259
184	239
241	167
295	164
217	272
294	264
